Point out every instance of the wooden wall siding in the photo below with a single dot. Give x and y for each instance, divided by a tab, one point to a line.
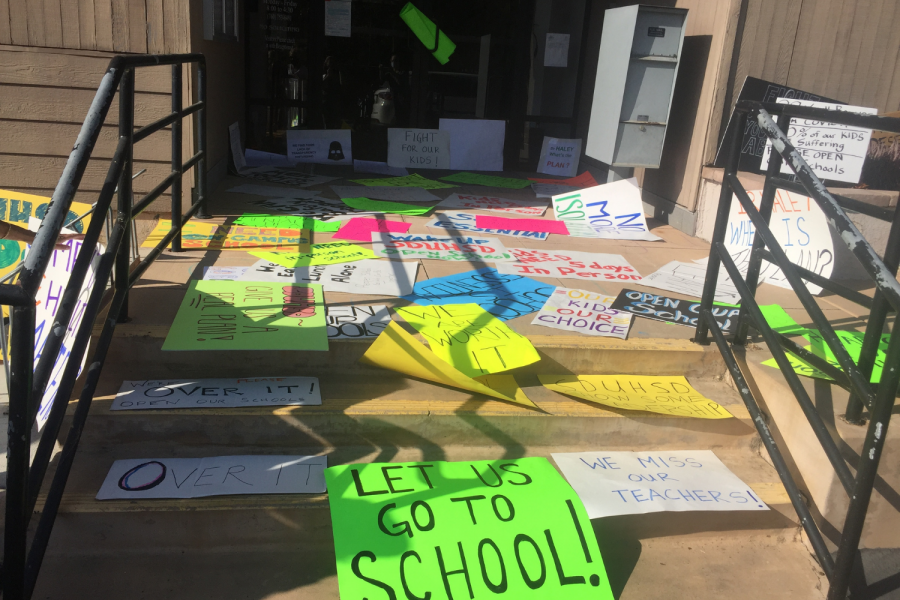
132	26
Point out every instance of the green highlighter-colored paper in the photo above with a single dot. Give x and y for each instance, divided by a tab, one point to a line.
395	208
852	342
249	315
425	30
396	525
327	253
286	222
511	183
414	180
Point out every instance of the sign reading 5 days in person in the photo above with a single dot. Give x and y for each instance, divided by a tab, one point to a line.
444	530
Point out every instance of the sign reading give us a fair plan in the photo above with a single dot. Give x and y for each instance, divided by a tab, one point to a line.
626	483
419	148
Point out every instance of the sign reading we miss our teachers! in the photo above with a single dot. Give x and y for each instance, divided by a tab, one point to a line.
462	530
419	148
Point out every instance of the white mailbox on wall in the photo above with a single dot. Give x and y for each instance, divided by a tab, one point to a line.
639	55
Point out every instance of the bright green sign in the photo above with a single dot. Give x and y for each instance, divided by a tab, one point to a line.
425	30
395	208
286	222
462	531
249	315
511	183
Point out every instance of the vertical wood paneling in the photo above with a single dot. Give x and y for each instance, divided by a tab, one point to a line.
18	22
34	12
53	37
5	36
137	26
87	25
120	25
71	24
103	26
156	31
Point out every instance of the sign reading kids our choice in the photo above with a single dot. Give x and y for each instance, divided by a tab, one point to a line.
447	530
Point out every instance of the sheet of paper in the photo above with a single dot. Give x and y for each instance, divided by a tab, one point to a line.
322	146
397	350
380	206
223	273
510	183
548	190
689	279
439	248
370	277
232	237
418	148
356	321
556	50
379	168
152	478
327	253
627	483
832	151
672	310
392	194
530	225
319	208
504	296
237	151
412	526
603	267
614	207
475	144
494	204
361	230
469	338
559	156
414	180
585	312
249	315
585	180
217	393
337	18
272	191
258	158
285	176
460	222
286	222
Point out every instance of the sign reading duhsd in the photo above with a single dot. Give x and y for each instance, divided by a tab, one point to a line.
462	530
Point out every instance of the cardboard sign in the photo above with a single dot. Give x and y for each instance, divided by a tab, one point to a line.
414	180
559	157
327	253
319	208
421	530
606	267
463	221
217	393
615	210
223	273
584	312
271	191
150	478
418	148
504	296
475	144
529	225
377	167
672	310
469	338
626	483
440	248
494	204
370	277
249	315
832	151
323	146
664	395
689	279
285	176
210	236
511	183
361	230
355	322
389	193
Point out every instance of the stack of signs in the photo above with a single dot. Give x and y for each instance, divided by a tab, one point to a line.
371	277
610	211
323	146
419	148
570	265
463	221
218	393
410	247
559	157
584	312
672	310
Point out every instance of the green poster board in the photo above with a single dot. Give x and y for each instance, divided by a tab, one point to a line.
511	183
462	530
249	315
425	30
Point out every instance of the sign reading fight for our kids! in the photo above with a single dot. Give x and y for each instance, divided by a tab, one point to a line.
418	148
447	530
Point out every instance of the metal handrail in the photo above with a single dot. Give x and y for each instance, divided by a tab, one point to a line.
854	376
28	381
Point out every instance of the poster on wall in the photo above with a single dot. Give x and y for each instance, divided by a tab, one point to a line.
322	146
337	18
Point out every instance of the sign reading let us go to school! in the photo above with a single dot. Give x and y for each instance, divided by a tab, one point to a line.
419	148
445	530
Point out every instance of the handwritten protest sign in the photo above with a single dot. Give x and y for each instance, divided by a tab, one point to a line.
462	530
614	210
463	221
396	350
559	157
418	148
320	254
414	180
832	151
494	204
689	279
504	296
355	322
323	146
529	225
217	393
651	393
151	478
373	277
223	273
210	236
626	483
271	191
672	310
249	315
388	193
320	208
852	342
383	206
470	338
511	183
584	312
603	267
440	248
286	222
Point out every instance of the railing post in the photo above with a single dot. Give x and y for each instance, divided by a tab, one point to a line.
18	453
126	129
712	268
202	213
176	156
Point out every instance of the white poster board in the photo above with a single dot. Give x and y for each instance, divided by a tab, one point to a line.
337	18
454	222
832	151
356	322
322	146
217	393
688	279
559	157
626	483
385	192
475	144
151	478
556	50
584	312
614	210
459	249
494	204
370	277
223	273
418	148
607	267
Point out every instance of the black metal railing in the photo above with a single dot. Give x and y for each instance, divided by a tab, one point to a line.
28	381
878	398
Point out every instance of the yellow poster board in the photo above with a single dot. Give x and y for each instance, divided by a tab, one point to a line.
209	236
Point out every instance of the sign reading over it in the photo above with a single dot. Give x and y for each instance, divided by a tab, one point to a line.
217	393
419	148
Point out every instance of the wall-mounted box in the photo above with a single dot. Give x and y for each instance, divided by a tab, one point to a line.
640	51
